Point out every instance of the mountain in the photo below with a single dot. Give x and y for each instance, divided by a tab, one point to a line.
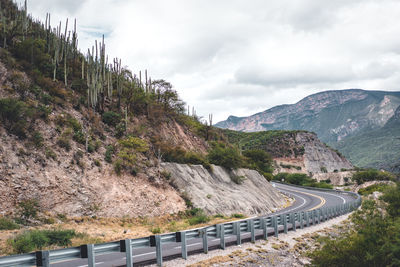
334	116
378	148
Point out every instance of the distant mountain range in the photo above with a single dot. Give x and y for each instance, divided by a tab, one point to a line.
363	125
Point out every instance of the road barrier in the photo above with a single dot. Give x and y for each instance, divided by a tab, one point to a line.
259	227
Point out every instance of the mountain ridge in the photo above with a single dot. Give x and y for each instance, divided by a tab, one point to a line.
334	116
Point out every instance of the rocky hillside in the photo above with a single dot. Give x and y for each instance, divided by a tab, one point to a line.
216	193
293	151
332	115
379	148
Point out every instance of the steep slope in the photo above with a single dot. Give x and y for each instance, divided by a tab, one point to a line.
300	151
379	148
333	115
216	193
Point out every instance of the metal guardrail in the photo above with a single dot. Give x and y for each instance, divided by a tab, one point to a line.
274	224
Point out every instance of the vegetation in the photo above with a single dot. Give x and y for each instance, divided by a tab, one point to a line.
373	241
7	224
371	175
301	179
373	188
277	142
225	156
38	239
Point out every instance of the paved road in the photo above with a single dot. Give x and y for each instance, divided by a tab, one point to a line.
305	200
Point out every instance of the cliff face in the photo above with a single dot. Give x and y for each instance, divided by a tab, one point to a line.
216	193
318	157
333	115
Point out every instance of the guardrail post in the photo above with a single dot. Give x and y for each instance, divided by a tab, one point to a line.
126	246
158	250
203	233
264	228
43	258
236	229
252	231
306	215
314	216
285	223
293	220
91	256
222	237
183	244
275	224
301	214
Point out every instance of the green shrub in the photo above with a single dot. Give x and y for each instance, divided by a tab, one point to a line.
238	216
63	142
111	118
371	175
79	137
50	154
237	179
14	115
156	230
7	224
225	156
373	188
198	219
259	160
28	209
37	139
38	239
109	154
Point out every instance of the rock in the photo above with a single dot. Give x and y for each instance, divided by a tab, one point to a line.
254	196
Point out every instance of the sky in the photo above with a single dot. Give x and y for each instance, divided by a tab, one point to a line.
237	57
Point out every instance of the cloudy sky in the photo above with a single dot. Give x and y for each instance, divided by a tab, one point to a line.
230	57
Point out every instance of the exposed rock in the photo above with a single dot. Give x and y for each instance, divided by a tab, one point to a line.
216	193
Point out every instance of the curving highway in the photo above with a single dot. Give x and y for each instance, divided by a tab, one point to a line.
305	200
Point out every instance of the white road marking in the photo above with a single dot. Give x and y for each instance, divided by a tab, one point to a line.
94	264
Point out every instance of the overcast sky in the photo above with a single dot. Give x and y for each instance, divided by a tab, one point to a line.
230	57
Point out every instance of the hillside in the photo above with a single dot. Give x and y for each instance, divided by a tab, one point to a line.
379	148
297	151
81	136
333	115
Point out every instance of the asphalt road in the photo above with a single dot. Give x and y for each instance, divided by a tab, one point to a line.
305	200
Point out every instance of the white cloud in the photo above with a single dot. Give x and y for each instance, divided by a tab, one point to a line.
240	57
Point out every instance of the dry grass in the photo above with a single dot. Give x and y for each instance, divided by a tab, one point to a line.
101	230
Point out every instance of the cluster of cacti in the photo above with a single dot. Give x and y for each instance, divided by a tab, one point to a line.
98	76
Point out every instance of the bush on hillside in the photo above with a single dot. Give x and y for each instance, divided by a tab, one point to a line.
111	118
371	175
374	240
38	239
259	160
7	224
225	156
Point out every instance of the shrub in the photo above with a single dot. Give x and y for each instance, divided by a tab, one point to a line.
14	115
28	209
7	224
134	143
259	160
199	219
371	175
109	154
225	156
237	179
238	215
79	137
38	239
111	118
37	139
63	142
50	154
373	188
156	230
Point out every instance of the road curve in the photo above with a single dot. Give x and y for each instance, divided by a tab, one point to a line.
305	200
